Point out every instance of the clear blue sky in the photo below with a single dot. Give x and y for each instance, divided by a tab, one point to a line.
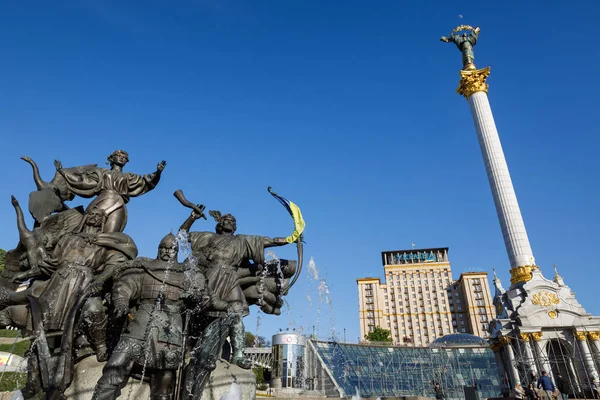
348	108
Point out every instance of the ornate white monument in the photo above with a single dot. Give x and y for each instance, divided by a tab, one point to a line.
539	326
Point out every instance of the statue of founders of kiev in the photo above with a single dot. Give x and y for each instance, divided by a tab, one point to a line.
112	188
154	335
82	262
219	255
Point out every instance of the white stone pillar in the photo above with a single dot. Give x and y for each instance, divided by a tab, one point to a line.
510	357
525	337
474	88
593	337
586	355
542	355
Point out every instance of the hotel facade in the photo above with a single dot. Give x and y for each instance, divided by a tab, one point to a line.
420	301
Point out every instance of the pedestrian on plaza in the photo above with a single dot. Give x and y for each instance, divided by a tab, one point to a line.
519	393
595	389
545	383
439	393
531	393
564	387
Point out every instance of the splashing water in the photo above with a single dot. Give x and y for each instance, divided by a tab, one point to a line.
325	297
185	248
322	297
312	269
288	311
259	316
234	393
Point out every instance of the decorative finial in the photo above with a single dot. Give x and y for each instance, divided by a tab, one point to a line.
555	270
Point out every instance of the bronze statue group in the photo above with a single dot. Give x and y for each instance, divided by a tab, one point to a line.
89	294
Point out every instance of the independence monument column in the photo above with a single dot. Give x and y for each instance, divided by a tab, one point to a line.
474	87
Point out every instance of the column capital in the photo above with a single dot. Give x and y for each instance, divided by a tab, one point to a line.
472	81
503	340
495	346
521	274
594	336
525	336
537	336
580	335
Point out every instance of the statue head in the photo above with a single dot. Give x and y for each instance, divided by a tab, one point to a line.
168	248
118	157
225	223
96	217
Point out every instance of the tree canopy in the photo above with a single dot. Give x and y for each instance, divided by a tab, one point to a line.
255	341
379	335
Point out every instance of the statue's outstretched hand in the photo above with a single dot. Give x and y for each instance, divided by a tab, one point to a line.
444	39
161	165
57	165
196	215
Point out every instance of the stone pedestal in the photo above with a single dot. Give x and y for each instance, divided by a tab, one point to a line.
222	377
88	371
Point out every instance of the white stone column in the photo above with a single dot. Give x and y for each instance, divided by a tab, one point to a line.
593	337
586	355
474	87
542	355
505	199
510	357
525	337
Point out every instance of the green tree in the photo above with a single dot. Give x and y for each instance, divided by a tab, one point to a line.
260	374
2	259
255	341
379	335
249	339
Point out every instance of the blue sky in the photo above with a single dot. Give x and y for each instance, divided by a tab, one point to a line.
347	108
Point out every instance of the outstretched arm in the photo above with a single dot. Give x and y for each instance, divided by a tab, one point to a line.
154	177
187	224
273	242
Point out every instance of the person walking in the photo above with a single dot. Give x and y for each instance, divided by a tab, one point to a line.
564	387
545	383
531	393
439	393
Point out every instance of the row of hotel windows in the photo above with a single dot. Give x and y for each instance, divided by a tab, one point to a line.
482	316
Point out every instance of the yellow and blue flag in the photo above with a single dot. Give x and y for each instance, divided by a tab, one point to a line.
296	214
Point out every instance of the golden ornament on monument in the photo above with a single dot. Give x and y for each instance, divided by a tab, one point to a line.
545	298
593	335
525	336
521	274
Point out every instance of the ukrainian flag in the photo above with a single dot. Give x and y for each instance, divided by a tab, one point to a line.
294	211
